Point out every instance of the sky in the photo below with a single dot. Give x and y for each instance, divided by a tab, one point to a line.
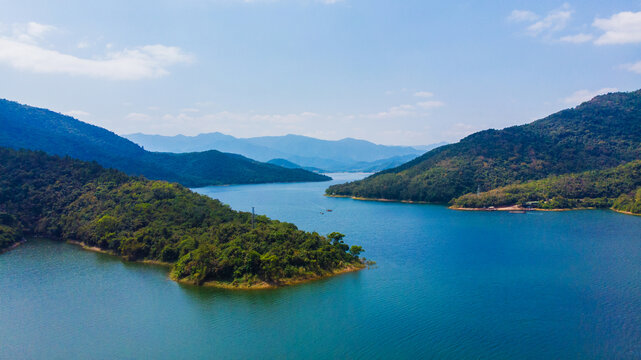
396	72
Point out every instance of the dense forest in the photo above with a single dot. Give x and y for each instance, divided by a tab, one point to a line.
141	219
618	188
599	134
26	127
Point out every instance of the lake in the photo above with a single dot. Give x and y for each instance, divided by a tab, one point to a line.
447	284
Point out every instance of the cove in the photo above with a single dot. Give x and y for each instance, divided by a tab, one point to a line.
447	284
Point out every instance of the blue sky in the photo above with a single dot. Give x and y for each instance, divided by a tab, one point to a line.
393	72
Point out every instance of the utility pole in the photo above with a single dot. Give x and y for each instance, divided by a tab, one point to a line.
253	217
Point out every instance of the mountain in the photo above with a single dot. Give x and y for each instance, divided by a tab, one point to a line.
27	127
202	239
284	163
331	156
290	165
602	133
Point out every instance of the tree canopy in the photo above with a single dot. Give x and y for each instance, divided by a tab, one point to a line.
619	188
138	219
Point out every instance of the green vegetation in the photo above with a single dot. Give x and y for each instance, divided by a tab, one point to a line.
619	188
26	127
10	232
629	202
600	134
139	219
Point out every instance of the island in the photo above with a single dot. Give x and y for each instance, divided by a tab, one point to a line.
203	241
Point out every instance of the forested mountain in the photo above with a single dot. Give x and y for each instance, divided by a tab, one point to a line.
33	128
602	133
618	188
331	156
140	219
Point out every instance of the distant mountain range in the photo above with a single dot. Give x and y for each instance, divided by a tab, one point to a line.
27	127
305	152
602	133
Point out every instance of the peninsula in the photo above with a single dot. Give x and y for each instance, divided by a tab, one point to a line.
203	241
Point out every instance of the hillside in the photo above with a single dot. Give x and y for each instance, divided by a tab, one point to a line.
332	156
613	187
138	219
602	133
33	128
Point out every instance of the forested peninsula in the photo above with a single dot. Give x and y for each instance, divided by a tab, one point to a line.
204	241
576	158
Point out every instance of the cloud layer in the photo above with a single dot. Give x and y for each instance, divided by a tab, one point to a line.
582	96
621	28
22	50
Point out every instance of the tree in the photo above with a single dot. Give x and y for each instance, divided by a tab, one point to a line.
356	250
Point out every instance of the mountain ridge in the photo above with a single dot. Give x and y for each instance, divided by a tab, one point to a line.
598	134
347	154
33	128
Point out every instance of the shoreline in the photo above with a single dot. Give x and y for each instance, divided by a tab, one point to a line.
107	252
222	284
382	200
625	212
513	208
13	246
263	285
499	208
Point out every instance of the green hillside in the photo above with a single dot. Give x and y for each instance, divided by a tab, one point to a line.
599	134
138	219
32	128
619	187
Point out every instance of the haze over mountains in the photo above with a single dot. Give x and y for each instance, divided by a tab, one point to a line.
599	134
27	127
309	153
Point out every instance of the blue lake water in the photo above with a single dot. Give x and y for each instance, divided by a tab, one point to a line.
448	284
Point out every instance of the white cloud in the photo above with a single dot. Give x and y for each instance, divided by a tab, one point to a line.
430	104
577	39
398	111
522	16
77	113
554	21
83	44
635	68
326	2
460	130
582	96
30	32
620	28
423	94
22	51
138	117
259	124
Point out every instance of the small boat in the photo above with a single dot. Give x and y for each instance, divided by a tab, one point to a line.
329	210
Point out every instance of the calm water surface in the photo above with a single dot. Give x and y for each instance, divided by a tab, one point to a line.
448	284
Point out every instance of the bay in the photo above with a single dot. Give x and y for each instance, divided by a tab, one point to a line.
447	284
